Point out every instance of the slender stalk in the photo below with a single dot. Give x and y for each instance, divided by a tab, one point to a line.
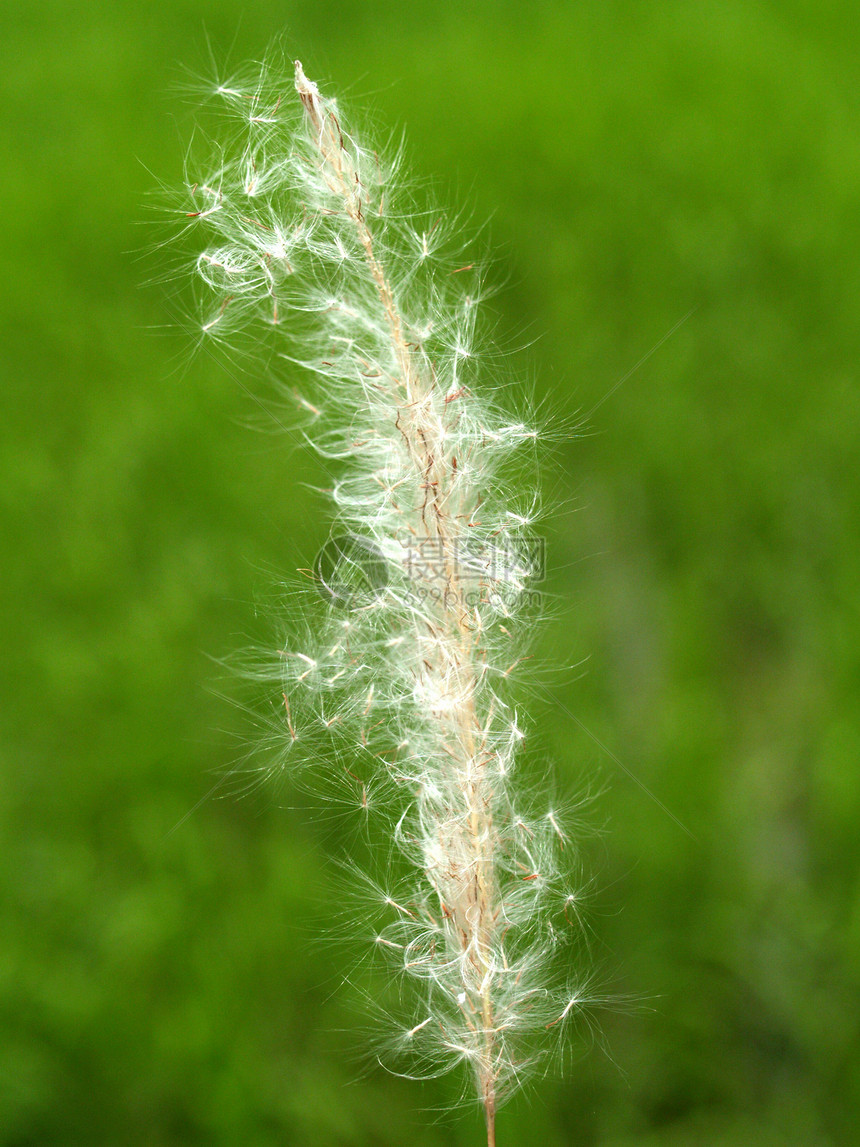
473	914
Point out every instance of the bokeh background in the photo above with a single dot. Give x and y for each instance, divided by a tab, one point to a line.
160	983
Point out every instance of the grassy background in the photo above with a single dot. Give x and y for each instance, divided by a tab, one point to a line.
640	159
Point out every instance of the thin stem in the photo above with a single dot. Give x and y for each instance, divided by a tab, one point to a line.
457	644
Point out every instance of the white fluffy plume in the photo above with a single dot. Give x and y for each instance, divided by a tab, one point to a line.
429	570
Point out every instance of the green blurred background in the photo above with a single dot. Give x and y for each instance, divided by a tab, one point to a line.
159	980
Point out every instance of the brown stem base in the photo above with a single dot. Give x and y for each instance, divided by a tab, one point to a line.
491	1124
